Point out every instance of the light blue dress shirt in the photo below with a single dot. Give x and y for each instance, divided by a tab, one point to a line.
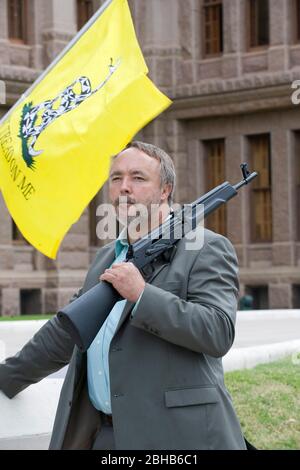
97	354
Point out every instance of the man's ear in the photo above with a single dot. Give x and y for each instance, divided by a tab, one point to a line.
165	192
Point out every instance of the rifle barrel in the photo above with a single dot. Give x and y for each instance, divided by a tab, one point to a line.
246	180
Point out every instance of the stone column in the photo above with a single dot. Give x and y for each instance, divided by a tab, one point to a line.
280	296
241	27
10	302
188	43
74	251
176	146
138	12
159	38
279	30
59	27
4	51
50	300
37	13
231	22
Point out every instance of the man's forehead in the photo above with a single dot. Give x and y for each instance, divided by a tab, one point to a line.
133	159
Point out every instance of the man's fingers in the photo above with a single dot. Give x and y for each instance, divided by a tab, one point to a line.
119	265
125	265
108	277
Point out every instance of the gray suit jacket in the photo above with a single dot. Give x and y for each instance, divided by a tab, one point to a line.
166	374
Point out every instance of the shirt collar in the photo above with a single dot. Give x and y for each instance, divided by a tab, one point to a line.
122	241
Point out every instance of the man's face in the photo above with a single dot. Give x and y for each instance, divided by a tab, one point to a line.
134	180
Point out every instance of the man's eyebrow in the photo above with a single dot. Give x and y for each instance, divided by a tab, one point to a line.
138	172
132	172
115	173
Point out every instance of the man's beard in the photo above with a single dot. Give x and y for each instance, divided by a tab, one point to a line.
137	217
122	207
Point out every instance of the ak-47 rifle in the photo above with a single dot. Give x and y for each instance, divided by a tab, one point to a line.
83	317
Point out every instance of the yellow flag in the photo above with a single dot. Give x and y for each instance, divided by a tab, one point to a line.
55	146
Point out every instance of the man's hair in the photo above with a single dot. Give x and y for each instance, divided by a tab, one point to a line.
167	169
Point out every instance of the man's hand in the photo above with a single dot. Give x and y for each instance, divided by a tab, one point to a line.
126	279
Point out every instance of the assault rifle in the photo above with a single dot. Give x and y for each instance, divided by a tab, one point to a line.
83	317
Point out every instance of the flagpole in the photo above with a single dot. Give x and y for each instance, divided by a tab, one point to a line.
59	57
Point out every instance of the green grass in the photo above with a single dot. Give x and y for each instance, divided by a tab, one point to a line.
267	401
26	317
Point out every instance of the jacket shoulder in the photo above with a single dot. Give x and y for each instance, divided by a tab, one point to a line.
203	240
213	237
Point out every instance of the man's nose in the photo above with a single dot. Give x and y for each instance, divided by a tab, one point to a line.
125	186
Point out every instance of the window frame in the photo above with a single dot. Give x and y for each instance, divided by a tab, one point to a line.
296	182
16	236
263	292
208	5
217	221
93	239
88	14
296	15
255	189
255	48
24	20
298	198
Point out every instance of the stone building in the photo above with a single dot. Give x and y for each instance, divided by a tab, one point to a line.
228	66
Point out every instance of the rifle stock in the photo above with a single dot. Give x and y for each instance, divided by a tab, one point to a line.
83	317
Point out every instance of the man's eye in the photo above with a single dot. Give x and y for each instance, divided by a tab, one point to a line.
115	178
139	178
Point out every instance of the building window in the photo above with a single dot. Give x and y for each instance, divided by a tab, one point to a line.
297	181
17	236
259	296
84	12
31	301
296	296
215	175
212	27
298	195
258	23
17	20
297	173
93	222
297	20
261	203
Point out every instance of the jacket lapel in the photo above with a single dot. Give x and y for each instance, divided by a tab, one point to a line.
104	261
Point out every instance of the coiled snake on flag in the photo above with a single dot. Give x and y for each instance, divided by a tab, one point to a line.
45	112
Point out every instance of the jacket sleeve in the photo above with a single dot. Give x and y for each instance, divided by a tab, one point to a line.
203	323
48	351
